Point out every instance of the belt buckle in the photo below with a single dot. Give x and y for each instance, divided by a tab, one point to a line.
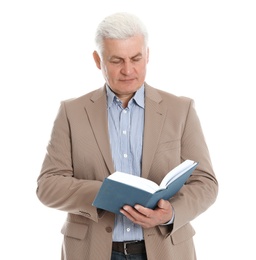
125	246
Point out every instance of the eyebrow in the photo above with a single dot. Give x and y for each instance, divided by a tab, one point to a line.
117	57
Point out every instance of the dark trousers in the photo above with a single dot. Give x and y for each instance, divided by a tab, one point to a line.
121	256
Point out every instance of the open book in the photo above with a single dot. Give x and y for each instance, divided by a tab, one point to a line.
121	189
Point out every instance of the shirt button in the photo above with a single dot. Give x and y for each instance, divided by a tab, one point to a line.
128	229
124	132
125	155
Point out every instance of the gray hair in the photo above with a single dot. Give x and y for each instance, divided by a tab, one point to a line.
121	26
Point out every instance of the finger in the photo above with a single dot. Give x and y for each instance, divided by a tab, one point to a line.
130	212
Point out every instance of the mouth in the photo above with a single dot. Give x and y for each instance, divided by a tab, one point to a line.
127	80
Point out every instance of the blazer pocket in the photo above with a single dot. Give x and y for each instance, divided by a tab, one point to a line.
183	234
74	230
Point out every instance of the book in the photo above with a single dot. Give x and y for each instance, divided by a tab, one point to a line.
120	188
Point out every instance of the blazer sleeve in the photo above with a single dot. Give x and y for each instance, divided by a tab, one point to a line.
201	189
57	187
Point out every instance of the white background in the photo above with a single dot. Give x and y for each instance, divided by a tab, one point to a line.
201	49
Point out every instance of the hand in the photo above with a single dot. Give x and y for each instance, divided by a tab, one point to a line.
148	218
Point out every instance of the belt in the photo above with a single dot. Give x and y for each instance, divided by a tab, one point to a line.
129	247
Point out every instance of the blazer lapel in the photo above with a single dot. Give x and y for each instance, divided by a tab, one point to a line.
97	113
154	119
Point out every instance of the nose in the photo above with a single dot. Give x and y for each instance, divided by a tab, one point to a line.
127	68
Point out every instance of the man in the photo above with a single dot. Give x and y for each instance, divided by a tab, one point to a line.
132	127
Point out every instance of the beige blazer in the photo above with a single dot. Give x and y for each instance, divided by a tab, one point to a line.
79	158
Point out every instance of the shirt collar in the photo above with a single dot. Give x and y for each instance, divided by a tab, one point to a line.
138	97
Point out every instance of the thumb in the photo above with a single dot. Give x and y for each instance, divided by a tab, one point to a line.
163	204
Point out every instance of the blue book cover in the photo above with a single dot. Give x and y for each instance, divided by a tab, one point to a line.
113	194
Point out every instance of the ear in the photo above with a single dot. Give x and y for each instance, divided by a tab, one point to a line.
96	58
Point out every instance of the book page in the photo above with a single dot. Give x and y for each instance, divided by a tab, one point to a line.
176	172
135	181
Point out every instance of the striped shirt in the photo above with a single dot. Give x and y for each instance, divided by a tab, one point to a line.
126	126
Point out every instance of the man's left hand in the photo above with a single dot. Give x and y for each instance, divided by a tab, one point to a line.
148	218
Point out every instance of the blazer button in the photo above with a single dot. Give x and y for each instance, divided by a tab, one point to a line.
109	229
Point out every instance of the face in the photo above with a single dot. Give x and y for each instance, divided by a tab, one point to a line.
123	64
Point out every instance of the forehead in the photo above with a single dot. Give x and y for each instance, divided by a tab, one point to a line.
125	47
